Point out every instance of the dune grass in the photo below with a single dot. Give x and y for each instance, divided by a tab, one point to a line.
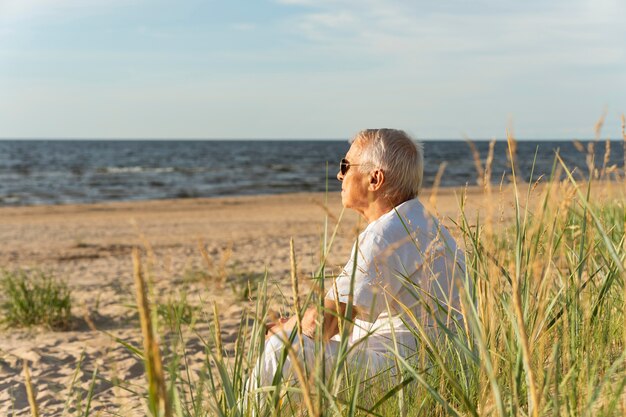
32	298
542	329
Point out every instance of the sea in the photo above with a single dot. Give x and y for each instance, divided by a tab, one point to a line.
36	172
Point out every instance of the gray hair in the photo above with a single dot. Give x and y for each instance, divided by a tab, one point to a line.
398	155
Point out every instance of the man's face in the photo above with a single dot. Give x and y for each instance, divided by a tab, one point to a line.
354	184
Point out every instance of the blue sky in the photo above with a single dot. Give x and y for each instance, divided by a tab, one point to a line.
310	69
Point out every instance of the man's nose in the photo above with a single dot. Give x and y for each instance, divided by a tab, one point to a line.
339	176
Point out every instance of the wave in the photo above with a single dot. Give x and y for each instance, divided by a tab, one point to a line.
134	170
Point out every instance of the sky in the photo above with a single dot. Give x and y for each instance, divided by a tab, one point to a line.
292	69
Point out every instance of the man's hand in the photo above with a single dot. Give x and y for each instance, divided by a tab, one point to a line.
282	326
309	322
280	321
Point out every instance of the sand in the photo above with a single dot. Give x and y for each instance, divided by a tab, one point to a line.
90	247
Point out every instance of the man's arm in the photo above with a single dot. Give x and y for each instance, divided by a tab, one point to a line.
332	316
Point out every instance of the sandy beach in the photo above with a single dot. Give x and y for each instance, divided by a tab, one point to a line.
89	246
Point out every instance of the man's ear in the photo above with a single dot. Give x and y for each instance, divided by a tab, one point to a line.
377	179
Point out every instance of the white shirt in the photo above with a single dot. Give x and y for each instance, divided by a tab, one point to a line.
407	265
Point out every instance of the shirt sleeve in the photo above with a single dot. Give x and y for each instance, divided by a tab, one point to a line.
375	271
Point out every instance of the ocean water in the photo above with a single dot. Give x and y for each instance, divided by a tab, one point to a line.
73	171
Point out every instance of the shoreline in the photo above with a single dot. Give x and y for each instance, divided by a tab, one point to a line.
105	204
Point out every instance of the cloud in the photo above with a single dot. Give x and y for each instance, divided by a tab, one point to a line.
478	60
529	35
371	19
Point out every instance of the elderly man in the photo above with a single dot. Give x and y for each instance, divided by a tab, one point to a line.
404	270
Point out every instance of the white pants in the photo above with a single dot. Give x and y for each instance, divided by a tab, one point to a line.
372	362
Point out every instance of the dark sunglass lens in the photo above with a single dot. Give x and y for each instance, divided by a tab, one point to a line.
343	166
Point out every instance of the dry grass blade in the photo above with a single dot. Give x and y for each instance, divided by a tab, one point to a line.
296	295
208	262
145	242
512	154
477	163
489	166
89	321
30	392
591	159
591	153
487	186
152	355
302	380
579	146
224	258
532	384
517	301
435	188
294	278
607	157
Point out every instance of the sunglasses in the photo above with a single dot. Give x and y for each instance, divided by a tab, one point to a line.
345	165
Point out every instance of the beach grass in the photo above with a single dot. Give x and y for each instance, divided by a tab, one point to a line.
32	298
